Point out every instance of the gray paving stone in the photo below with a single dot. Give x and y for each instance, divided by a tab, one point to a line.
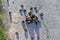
51	10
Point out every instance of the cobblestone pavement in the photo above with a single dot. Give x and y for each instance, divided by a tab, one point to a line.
51	11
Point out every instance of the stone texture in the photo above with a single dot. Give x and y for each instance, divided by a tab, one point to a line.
51	10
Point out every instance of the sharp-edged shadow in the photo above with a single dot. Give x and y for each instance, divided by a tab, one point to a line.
31	30
25	30
37	30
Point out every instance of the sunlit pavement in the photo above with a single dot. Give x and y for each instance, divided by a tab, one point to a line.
51	10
